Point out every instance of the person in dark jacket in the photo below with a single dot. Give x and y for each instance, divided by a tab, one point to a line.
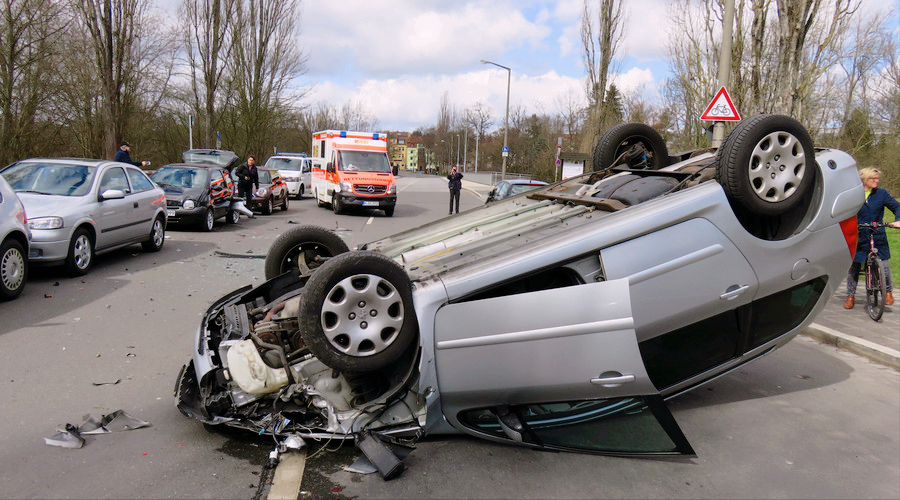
877	199
124	155
247	177
455	184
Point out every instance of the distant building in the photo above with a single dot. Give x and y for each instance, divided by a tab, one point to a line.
397	145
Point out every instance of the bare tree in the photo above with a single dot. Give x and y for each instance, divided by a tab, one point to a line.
111	27
207	27
266	61
478	118
600	41
29	40
571	110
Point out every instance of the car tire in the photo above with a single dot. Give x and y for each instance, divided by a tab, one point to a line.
389	212
13	269
232	217
300	192
268	208
615	147
767	164
284	203
302	249
208	221
157	238
356	312
81	253
336	205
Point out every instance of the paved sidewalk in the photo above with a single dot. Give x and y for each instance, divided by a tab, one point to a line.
852	329
855	331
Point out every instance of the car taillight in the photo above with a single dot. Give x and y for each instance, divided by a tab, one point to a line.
21	217
851	233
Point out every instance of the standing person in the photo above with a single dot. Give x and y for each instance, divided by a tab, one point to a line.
455	184
247	178
877	199
124	155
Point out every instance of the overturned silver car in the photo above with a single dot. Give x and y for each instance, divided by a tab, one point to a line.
561	318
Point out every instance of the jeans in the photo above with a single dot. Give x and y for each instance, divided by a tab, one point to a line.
853	277
454	195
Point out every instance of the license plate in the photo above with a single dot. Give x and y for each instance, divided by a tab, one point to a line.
370	203
170	213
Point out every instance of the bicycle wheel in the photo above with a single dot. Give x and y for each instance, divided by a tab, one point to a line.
875	287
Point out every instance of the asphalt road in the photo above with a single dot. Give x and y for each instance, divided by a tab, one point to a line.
808	421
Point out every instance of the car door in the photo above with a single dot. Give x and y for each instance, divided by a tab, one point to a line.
145	199
555	368
115	217
220	192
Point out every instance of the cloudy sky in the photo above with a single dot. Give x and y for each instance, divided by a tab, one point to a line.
398	57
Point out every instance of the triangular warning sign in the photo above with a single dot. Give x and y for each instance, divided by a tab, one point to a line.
721	108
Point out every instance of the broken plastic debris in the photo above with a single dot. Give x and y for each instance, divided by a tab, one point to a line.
108	383
66	438
117	421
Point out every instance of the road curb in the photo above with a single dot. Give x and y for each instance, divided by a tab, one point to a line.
879	354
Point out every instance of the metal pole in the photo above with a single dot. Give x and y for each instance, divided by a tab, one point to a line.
476	152
466	149
457	150
724	65
506	120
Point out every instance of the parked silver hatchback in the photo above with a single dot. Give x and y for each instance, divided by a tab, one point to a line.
81	208
14	237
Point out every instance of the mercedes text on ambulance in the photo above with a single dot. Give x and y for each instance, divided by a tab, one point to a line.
352	169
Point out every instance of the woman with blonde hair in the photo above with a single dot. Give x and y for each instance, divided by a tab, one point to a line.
877	199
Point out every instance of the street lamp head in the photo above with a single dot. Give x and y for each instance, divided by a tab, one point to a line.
484	61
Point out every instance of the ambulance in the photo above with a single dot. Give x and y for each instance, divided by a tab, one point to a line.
351	169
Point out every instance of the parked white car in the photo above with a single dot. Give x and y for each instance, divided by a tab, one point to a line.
81	208
295	169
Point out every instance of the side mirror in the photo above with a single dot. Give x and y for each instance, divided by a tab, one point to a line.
112	194
329	167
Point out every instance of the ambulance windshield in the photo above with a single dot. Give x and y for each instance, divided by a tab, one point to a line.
362	161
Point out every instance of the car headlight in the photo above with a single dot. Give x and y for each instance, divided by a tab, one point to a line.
346	186
392	189
262	192
45	223
291	179
188	205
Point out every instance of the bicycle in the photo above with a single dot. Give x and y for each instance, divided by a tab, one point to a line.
874	269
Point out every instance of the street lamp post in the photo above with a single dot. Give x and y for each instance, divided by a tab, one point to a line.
506	121
457	150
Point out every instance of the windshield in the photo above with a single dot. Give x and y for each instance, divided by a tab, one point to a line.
294	164
521	188
181	177
50	178
265	176
363	161
218	158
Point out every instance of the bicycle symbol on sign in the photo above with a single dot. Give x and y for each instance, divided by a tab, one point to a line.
720	110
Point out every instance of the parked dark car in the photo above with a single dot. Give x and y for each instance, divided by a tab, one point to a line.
561	319
272	192
196	195
512	187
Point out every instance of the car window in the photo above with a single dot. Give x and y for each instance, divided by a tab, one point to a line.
139	181
114	178
502	189
285	163
265	176
521	188
50	178
218	158
307	166
638	425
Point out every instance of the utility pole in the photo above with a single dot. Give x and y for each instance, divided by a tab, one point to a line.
724	65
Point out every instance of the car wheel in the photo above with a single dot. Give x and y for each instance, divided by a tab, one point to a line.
284	204
154	242
300	192
634	144
13	269
232	217
389	211
81	253
356	312
336	204
302	249
767	164
208	221
268	208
